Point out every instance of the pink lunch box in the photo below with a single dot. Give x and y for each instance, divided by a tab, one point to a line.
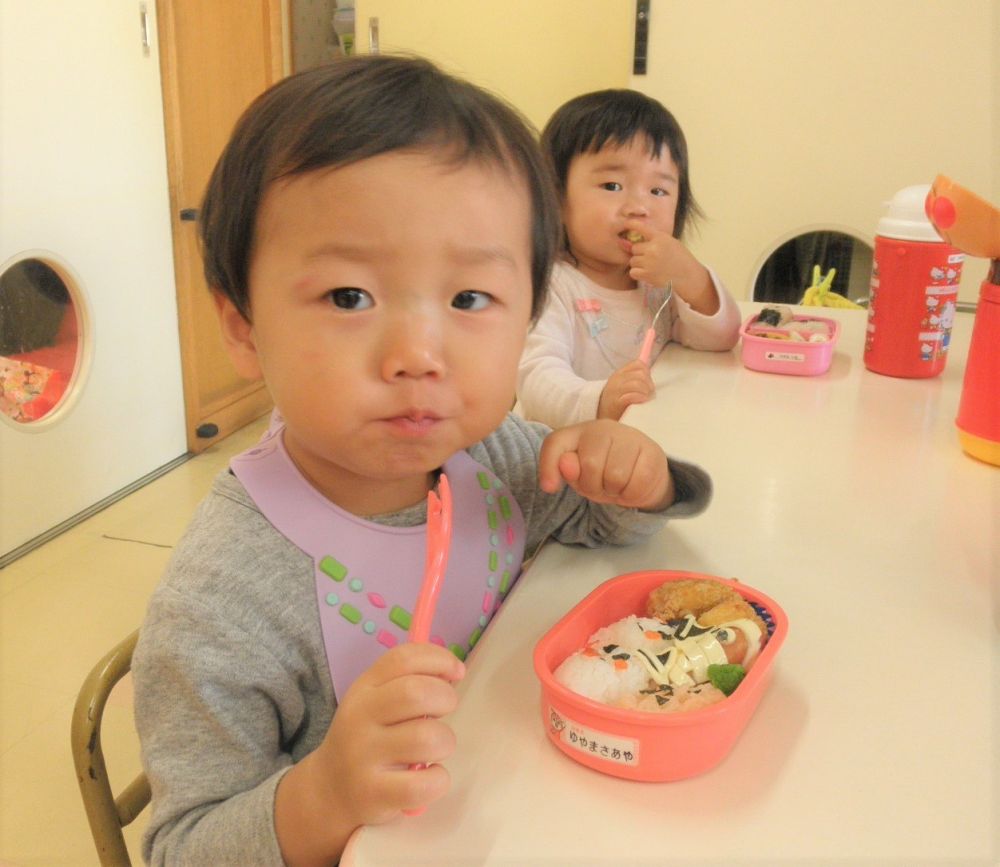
795	357
640	745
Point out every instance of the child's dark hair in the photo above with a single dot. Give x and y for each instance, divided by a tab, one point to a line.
350	110
589	122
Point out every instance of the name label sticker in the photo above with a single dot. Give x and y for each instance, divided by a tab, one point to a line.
797	357
623	751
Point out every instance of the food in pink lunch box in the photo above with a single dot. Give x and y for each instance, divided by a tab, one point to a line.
779	323
692	649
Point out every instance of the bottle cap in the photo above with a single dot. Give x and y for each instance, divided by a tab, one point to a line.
906	219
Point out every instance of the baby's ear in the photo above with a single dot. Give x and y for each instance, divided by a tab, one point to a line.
238	338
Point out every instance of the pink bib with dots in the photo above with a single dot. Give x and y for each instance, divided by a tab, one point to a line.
368	575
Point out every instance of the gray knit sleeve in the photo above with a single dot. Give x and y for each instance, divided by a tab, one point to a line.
230	686
512	452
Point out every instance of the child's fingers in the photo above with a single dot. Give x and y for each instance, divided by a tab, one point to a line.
612	469
407	682
646	273
627	399
559	460
607	462
569	466
575	455
554	446
420	741
643	383
413	696
632	380
592	455
635	391
384	790
649	484
416	658
656	261
411	788
579	456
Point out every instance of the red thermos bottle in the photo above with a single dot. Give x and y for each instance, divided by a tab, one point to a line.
978	418
914	288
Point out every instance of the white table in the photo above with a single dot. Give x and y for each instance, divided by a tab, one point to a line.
847	499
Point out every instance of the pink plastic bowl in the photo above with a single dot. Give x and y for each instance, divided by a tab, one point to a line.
797	358
639	745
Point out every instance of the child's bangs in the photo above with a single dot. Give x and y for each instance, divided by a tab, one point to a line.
620	128
423	112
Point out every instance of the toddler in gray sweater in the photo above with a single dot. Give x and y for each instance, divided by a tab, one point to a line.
378	236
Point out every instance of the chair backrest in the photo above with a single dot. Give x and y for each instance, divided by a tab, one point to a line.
106	813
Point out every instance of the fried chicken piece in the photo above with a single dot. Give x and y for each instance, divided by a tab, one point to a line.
710	602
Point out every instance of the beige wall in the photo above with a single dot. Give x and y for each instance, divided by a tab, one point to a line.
535	53
803	114
83	180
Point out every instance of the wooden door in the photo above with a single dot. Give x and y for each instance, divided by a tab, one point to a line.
215	57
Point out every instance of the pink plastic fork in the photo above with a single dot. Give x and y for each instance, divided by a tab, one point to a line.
438	544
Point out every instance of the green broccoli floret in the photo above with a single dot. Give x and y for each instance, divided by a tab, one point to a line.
726	677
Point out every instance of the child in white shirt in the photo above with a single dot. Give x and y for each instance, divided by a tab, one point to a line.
621	167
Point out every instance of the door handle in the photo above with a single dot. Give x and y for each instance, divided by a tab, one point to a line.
189	215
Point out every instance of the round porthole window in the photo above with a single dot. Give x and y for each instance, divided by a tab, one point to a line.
788	269
44	340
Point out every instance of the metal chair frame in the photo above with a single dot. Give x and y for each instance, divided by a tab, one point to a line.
106	813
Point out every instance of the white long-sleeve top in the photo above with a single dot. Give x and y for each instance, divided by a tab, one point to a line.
587	332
